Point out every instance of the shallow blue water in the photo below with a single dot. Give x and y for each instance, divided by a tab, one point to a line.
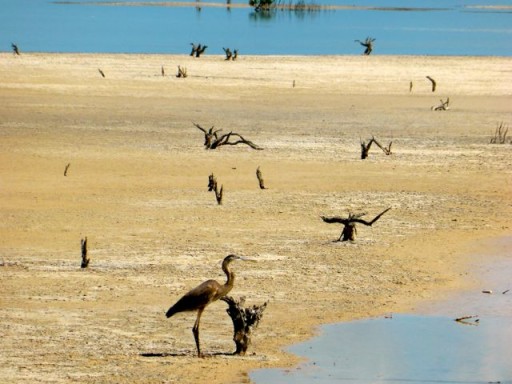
425	347
449	27
403	349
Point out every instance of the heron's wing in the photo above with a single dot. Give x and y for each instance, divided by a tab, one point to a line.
196	298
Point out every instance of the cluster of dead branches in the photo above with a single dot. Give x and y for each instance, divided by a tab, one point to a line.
365	147
368	44
500	135
15	49
213	187
231	55
444	106
212	139
245	320
197	50
182	72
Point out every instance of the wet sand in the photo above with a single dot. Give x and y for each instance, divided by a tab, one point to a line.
137	188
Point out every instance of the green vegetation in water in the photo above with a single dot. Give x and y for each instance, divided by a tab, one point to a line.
298	6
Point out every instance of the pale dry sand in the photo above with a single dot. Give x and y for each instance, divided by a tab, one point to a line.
136	187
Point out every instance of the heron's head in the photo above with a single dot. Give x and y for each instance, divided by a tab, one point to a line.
229	258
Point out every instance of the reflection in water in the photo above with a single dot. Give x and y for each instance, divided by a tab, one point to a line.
403	348
297	27
426	348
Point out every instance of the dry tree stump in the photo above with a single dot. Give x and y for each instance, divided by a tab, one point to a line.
182	72
349	230
85	258
245	320
213	187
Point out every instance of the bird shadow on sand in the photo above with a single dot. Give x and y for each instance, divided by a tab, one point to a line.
184	354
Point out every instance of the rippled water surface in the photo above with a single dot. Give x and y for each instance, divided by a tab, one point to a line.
430	27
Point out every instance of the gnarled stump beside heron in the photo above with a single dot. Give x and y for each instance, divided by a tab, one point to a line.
245	320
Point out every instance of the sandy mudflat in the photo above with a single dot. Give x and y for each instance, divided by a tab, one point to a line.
137	188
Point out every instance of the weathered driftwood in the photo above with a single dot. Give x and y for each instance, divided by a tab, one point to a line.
182	72
245	320
365	147
500	135
15	49
230	55
368	44
444	106
434	84
85	258
66	169
464	320
212	140
260	178
349	224
101	73
197	50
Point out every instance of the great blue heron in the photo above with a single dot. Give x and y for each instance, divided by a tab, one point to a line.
198	298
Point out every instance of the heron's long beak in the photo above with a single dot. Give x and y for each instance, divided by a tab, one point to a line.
248	259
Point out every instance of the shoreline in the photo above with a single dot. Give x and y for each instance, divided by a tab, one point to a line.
136	187
476	300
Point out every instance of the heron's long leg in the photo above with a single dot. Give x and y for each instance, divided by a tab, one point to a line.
195	331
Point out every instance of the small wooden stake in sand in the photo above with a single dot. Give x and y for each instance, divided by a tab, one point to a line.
85	258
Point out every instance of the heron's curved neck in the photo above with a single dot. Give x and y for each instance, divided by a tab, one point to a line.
230	276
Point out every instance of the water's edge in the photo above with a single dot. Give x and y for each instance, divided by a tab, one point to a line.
427	345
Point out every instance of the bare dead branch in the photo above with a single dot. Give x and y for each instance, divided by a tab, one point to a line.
260	178
434	84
